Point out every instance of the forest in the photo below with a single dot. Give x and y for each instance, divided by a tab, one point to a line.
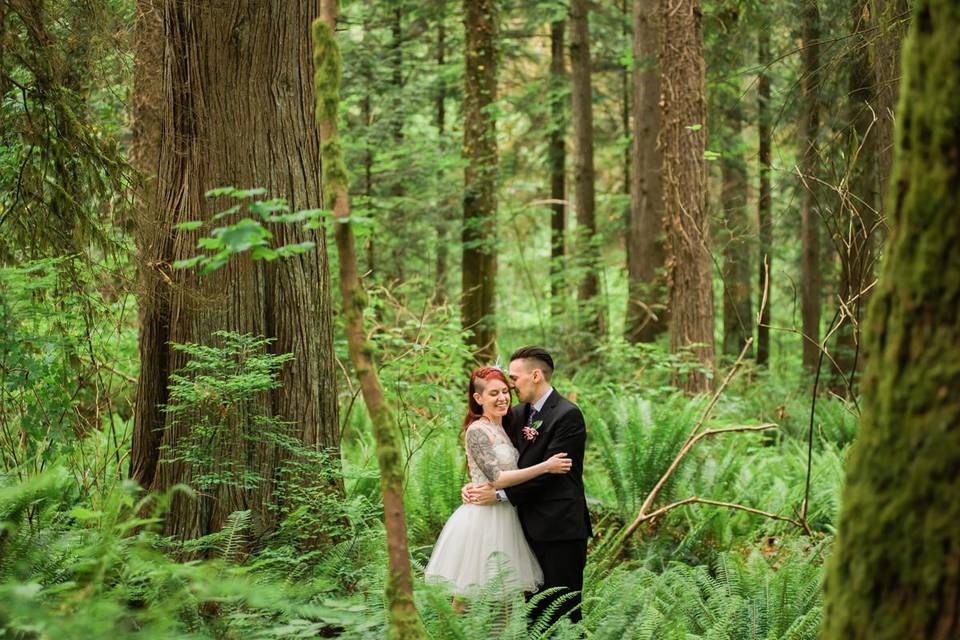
252	250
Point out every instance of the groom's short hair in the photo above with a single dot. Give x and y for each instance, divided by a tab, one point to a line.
543	358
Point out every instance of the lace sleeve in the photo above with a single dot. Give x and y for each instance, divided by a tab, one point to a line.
480	448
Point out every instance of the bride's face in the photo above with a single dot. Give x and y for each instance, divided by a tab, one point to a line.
494	399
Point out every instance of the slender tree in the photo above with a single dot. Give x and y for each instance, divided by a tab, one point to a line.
221	124
403	618
765	200
809	223
479	265
891	19
581	105
895	570
736	231
558	164
443	252
857	233
646	312
682	141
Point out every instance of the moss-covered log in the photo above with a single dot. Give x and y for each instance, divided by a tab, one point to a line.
895	572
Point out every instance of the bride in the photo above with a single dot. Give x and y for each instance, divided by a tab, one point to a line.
462	555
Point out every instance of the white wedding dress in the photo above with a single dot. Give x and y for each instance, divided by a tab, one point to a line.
478	541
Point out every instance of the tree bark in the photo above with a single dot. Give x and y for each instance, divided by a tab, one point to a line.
558	166
891	17
895	570
809	223
737	233
153	242
859	208
479	265
737	303
588	291
647	315
765	201
443	250
236	110
682	142
403	618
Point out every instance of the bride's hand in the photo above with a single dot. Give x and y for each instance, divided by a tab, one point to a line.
558	463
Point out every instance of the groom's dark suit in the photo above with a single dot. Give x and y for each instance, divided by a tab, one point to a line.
552	507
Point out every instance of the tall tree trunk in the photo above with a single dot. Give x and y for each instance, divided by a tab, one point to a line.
558	166
737	232
646	316
403	618
479	266
397	191
682	141
895	571
223	124
737	304
588	291
443	250
153	242
765	201
859	209
809	223
891	17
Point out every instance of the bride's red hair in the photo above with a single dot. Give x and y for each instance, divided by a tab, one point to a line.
474	411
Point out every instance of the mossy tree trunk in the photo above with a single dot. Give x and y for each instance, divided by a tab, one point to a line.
895	571
236	110
646	316
683	139
479	264
404	623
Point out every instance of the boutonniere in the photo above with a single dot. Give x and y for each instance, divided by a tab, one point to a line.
531	432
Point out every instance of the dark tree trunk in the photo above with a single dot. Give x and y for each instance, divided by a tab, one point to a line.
764	204
646	312
443	251
153	243
222	124
857	235
891	18
683	181
736	229
480	180
809	222
737	248
895	570
558	166
588	291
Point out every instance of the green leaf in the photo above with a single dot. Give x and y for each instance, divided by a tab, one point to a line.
191	225
694	127
187	263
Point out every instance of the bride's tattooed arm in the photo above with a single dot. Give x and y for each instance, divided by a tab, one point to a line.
480	449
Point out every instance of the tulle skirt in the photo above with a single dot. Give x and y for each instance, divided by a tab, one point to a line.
480	543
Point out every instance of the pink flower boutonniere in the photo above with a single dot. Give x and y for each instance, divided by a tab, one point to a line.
531	432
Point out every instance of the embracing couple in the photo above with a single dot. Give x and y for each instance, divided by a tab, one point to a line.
524	510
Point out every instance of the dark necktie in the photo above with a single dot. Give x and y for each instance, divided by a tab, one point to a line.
532	416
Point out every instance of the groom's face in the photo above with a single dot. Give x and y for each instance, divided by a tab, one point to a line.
523	379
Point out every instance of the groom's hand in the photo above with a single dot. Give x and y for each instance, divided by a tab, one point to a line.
481	494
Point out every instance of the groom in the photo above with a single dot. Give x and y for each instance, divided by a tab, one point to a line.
552	508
